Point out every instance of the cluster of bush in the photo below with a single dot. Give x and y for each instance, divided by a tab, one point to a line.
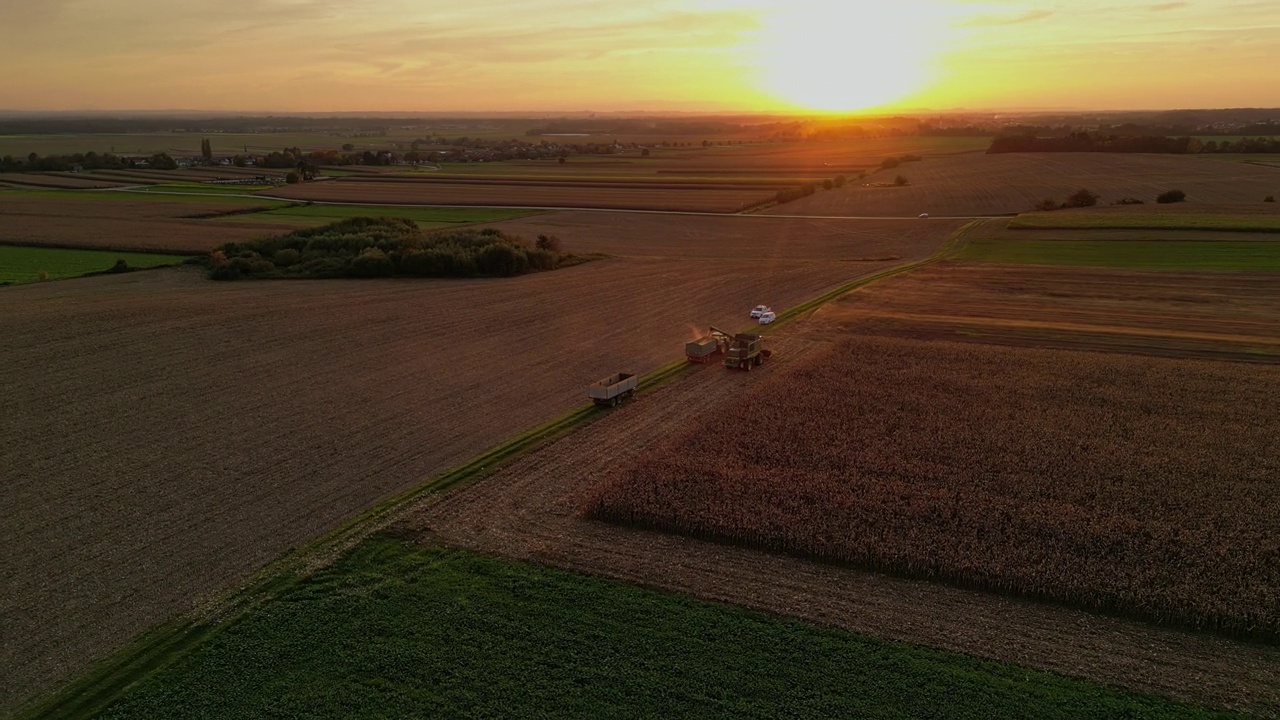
1084	198
795	193
890	163
387	247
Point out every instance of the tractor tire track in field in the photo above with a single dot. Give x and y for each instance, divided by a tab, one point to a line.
532	510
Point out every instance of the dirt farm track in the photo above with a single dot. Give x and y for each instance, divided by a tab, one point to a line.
167	436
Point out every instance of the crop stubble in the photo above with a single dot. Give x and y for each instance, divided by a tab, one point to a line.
167	436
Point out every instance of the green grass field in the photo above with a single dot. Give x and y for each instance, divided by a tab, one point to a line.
395	630
22	264
1136	254
1060	220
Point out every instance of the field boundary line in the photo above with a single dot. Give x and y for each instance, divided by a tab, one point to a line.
155	649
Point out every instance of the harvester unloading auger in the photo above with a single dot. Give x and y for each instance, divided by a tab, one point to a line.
740	350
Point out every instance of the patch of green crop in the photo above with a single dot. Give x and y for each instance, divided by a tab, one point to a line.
395	630
24	264
1136	254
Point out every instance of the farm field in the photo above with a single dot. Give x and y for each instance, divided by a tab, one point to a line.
56	181
21	264
598	648
532	510
980	184
128	537
1102	481
354	190
123	221
188	223
295	216
1225	315
1263	217
1142	254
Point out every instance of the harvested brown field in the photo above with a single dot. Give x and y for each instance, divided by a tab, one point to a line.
106	220
57	181
1227	315
1109	482
167	436
357	190
764	239
531	510
980	184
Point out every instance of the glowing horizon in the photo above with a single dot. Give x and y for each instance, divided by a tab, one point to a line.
804	56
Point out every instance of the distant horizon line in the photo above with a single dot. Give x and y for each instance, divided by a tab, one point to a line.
577	114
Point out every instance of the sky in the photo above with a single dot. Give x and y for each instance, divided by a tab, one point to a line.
634	55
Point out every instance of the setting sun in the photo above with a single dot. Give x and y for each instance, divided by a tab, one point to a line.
826	57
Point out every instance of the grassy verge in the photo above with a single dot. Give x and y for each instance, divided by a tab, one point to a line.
24	264
395	630
162	648
1135	254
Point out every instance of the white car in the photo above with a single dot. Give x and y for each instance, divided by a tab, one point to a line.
759	310
768	317
924	215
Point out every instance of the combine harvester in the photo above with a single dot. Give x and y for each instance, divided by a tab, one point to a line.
745	350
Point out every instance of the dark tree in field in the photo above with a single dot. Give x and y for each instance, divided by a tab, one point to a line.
549	242
206	149
1172	196
828	184
1082	198
293	178
901	181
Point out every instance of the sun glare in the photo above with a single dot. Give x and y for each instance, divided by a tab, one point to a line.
844	56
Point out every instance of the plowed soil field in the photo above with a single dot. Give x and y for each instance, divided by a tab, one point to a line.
167	436
669	197
980	184
101	220
57	181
